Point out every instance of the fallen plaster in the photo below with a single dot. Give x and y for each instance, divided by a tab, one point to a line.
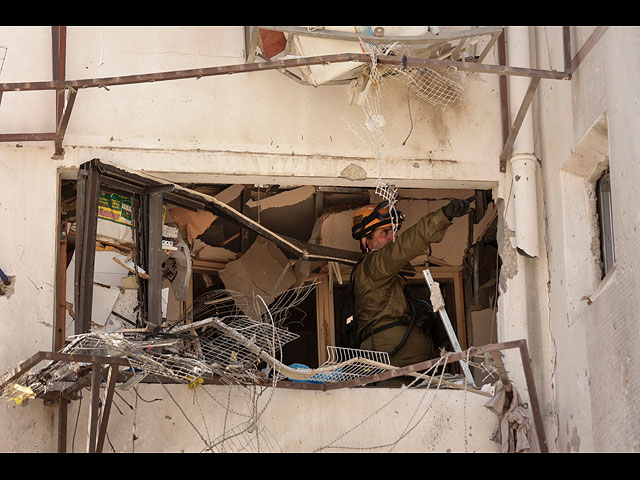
353	172
333	229
195	223
203	251
507	252
262	270
289	197
230	193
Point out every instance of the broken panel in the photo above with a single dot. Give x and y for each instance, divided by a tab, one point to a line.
438	43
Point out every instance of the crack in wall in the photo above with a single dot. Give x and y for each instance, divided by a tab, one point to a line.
554	348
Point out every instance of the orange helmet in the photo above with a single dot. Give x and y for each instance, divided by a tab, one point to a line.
371	217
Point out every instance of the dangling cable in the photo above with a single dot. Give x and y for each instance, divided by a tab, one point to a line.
410	116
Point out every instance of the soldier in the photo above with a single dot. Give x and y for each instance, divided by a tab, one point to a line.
381	309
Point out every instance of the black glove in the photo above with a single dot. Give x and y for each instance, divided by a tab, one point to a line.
456	208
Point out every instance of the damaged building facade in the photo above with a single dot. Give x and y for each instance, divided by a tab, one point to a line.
159	179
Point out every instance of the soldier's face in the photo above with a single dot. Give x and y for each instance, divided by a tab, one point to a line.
379	238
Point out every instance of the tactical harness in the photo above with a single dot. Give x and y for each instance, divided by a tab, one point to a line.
420	314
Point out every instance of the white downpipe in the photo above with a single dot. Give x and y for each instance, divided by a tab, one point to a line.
524	164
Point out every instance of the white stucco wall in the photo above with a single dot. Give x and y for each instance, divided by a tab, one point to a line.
585	125
261	123
28	199
368	419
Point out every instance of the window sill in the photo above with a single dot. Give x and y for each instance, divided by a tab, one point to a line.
604	285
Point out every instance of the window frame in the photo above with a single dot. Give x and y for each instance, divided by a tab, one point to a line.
605	221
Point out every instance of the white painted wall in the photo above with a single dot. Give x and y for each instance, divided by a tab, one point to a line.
374	420
583	125
259	123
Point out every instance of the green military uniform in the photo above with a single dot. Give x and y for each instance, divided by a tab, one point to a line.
379	294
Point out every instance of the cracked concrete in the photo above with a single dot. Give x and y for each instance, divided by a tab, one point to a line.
507	252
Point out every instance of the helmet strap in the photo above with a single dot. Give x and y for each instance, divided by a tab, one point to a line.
363	244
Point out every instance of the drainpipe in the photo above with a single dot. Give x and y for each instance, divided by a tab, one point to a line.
523	162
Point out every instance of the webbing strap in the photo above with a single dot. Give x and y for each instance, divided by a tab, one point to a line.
382	328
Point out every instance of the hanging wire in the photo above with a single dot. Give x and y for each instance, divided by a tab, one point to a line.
371	415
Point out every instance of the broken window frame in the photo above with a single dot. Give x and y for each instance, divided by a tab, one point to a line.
148	194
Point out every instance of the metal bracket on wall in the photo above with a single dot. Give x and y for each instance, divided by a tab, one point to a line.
283	65
440	46
99	408
570	66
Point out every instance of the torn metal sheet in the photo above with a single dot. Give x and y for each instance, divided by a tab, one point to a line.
177	268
